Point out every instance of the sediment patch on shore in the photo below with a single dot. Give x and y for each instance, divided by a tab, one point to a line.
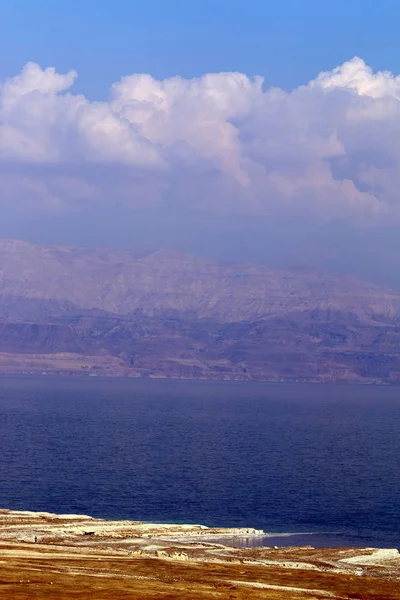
43	555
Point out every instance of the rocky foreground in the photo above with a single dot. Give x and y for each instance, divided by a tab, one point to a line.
72	556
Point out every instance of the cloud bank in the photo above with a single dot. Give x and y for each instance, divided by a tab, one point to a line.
222	143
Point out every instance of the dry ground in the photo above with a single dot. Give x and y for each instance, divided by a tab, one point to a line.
84	558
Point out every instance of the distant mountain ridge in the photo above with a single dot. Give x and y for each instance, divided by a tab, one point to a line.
117	281
106	310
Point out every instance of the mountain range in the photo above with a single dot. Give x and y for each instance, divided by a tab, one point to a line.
164	314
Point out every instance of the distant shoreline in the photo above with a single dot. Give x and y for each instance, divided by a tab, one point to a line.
88	376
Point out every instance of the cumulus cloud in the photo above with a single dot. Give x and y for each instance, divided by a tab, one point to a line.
222	142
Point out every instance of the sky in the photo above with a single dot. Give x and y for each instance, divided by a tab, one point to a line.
243	130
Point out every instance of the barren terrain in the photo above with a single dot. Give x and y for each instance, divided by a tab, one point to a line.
104	311
76	557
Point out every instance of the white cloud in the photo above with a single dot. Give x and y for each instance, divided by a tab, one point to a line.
219	142
355	75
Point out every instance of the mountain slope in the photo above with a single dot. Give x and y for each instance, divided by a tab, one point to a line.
117	281
169	314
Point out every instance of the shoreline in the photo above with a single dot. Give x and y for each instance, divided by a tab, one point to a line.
80	377
50	556
83	375
229	536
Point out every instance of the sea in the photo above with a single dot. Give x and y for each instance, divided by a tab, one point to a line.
309	464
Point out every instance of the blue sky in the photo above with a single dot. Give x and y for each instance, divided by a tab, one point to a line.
286	41
223	165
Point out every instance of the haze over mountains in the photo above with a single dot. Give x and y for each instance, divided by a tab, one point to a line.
109	311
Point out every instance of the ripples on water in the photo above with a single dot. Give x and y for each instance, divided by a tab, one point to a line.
278	457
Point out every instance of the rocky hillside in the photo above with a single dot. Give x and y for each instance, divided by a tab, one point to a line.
117	281
169	314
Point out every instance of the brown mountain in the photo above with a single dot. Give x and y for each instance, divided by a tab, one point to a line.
169	314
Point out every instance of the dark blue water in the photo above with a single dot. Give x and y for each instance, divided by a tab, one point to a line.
284	458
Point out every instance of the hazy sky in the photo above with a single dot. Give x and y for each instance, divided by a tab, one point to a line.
257	130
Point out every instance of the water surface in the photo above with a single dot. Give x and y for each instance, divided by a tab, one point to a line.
283	458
